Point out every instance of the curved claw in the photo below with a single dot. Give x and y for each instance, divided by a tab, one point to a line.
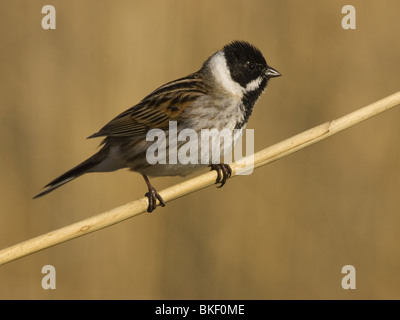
226	171
153	196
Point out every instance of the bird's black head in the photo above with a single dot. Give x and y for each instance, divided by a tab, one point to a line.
246	63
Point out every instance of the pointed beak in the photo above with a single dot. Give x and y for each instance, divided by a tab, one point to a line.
272	73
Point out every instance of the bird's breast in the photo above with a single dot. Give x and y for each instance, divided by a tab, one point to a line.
210	113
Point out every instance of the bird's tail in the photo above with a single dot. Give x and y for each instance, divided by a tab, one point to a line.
80	169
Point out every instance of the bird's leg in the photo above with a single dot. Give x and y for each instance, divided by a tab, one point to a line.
226	171
152	195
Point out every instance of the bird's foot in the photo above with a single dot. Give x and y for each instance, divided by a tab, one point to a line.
224	172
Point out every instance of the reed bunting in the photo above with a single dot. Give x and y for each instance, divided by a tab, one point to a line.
220	95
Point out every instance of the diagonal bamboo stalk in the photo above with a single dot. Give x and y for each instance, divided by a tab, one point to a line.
137	207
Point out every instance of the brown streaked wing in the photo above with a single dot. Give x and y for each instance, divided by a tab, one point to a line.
156	110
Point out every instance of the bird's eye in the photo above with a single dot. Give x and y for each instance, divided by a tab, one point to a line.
250	66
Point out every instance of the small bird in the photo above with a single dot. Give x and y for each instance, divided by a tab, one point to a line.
220	95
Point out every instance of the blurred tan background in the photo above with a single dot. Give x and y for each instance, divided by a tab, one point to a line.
284	232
